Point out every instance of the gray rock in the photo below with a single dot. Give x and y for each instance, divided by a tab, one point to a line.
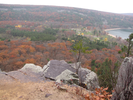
124	86
28	73
2	71
5	78
31	67
25	76
68	77
55	68
47	95
45	68
73	65
60	70
89	78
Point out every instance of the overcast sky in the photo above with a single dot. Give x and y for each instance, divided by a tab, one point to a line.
115	6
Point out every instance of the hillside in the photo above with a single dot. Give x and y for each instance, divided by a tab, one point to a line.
129	14
66	17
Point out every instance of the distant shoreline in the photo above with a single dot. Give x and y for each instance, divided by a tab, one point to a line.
112	29
111	35
114	36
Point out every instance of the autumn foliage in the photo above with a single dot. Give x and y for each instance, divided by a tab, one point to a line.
14	54
99	94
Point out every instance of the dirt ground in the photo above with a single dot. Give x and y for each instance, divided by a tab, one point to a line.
39	91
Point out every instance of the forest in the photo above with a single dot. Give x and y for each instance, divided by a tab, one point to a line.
66	17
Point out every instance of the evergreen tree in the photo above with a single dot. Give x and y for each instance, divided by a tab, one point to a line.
107	74
78	48
130	43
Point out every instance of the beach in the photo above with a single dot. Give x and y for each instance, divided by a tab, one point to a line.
112	29
119	32
111	35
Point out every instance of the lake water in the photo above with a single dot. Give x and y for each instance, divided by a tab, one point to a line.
123	33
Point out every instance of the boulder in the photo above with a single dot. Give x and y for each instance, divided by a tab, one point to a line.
31	67
62	71
68	77
88	78
55	68
124	86
28	73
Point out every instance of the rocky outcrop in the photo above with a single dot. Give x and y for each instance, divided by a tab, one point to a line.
124	86
29	73
61	71
55	70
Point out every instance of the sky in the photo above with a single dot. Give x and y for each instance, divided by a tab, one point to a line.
113	6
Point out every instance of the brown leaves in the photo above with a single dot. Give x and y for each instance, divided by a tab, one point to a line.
100	94
30	61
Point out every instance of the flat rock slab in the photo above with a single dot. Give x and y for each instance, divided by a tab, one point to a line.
21	76
25	76
5	78
56	67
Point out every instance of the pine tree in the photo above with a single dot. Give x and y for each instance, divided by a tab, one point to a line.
130	43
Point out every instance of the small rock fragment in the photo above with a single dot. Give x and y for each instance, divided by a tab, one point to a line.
47	95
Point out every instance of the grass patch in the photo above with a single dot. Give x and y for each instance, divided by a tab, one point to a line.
88	33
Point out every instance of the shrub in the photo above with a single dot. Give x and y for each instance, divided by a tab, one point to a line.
107	74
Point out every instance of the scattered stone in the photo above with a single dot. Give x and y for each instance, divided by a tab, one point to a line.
47	95
62	88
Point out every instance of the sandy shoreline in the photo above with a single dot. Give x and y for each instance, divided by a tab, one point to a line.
111	35
112	29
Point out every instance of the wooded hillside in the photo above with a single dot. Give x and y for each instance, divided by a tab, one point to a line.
64	16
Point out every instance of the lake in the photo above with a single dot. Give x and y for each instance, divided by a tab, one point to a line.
123	33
